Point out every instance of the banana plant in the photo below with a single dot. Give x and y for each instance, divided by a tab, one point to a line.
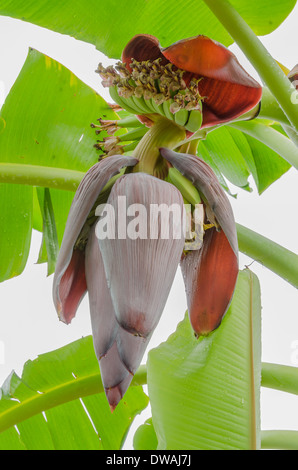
127	192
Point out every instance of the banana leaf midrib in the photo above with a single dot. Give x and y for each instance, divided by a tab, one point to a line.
56	395
79	387
253	423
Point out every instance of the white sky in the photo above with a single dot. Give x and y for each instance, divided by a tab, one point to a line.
28	321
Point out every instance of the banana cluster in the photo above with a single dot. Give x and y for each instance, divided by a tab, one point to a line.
153	88
190	120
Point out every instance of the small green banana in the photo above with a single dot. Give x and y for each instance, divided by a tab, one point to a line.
121	101
130	104
181	117
128	122
158	107
134	134
141	105
194	121
186	188
151	108
166	107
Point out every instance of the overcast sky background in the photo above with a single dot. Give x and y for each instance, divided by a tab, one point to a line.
28	321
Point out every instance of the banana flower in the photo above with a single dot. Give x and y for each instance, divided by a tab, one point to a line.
114	246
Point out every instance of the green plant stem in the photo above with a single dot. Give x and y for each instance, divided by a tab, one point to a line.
272	138
280	377
35	175
271	74
275	257
279	440
284	379
79	388
270	108
292	134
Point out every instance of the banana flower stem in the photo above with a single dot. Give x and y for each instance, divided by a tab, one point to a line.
279	440
163	133
275	257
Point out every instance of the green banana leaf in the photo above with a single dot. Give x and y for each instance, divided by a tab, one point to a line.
16	206
145	437
50	246
205	393
45	121
235	156
110	25
58	404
